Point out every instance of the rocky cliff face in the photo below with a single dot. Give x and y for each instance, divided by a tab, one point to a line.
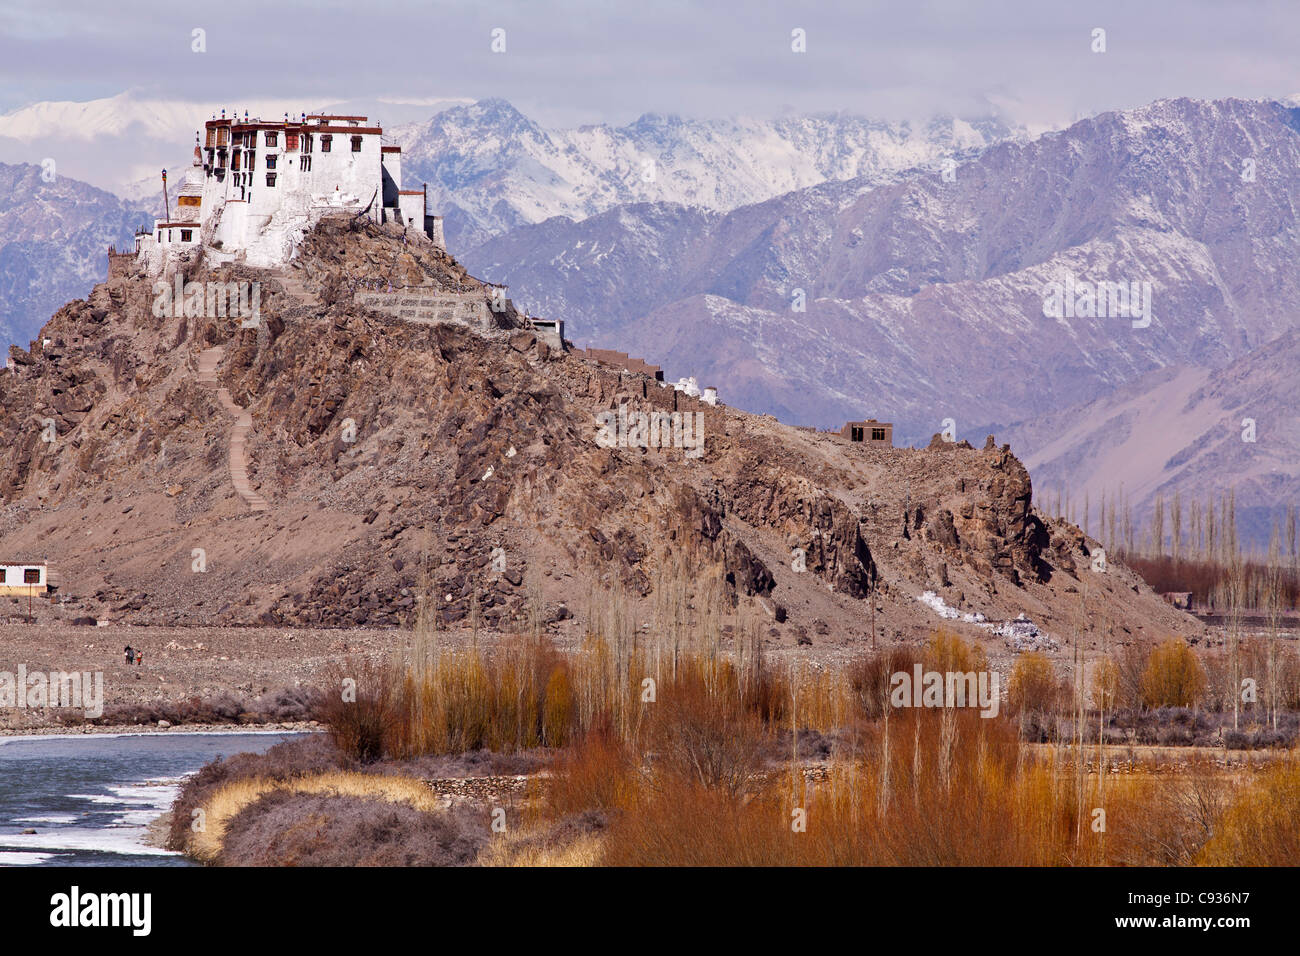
400	460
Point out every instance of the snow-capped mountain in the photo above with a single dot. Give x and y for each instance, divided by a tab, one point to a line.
923	299
491	169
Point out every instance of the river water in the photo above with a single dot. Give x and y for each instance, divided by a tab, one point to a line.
90	797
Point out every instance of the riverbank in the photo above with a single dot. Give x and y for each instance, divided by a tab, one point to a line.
57	731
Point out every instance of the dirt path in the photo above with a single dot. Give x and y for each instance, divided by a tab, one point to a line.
209	359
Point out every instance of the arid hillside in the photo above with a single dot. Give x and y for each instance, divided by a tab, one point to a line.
331	465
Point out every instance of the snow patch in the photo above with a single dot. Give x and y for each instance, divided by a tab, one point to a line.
1019	635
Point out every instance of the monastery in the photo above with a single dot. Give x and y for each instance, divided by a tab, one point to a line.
256	187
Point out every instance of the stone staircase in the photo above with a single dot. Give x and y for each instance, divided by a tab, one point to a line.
296	287
209	359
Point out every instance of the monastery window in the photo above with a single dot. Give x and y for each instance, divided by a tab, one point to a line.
855	433
234	161
270	179
272	138
877	434
186	235
222	135
325	141
31	575
356	144
2	575
306	163
306	142
270	160
210	141
252	161
290	140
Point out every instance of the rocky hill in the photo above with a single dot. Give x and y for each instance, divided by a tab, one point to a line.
330	465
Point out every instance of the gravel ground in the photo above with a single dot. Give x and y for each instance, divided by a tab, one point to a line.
179	664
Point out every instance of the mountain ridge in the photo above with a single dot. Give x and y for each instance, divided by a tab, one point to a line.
924	297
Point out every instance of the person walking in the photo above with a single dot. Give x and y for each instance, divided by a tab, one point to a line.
139	658
130	654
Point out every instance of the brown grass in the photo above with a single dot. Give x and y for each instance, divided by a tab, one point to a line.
1260	828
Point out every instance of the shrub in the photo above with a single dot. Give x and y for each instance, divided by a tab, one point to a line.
705	734
1173	676
1034	687
597	773
869	677
947	652
312	754
357	707
285	828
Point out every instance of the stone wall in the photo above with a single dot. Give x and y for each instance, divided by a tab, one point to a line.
429	306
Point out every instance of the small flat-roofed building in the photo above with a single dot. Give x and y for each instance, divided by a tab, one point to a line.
869	432
23	578
550	331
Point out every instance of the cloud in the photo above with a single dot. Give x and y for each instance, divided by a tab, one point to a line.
578	60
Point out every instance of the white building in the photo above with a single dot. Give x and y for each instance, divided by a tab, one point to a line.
688	385
19	578
257	187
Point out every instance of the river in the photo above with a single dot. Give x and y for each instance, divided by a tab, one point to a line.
90	797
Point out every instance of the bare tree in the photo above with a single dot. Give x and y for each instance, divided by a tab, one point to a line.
1176	522
1158	526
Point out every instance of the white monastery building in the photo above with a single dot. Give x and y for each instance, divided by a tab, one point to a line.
257	187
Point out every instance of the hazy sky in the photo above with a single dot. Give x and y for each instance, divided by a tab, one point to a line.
571	61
